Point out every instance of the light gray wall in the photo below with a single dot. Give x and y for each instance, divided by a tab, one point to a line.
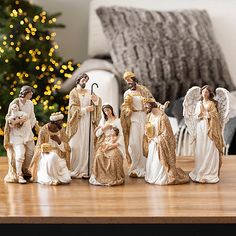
72	40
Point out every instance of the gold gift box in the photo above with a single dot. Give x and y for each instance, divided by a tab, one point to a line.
46	147
149	130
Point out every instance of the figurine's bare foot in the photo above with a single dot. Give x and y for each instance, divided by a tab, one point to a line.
26	174
55	182
21	180
31	180
85	177
129	161
133	175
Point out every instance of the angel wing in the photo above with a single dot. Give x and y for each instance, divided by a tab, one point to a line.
223	99
191	98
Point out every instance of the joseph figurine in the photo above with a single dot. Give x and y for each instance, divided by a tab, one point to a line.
84	113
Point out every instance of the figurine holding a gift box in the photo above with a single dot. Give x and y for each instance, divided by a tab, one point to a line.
50	164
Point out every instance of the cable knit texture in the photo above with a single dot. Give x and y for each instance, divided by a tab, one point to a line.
169	51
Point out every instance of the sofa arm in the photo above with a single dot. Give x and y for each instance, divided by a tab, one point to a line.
108	87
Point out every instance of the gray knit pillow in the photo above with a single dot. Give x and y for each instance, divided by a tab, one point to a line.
169	51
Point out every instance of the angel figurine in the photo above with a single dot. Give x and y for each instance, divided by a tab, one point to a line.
205	115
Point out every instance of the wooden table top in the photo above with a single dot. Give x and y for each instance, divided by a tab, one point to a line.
134	202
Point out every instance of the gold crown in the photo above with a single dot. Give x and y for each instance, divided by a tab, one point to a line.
128	74
56	116
46	147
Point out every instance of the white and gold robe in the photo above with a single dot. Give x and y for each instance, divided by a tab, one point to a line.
208	146
78	132
51	168
161	162
108	167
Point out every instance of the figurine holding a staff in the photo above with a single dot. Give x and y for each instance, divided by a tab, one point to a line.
84	114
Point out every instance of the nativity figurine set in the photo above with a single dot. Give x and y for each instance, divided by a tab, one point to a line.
96	142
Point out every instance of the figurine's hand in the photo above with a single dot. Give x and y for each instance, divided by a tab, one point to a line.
128	112
166	104
56	139
12	122
37	127
89	108
9	145
150	139
103	147
94	98
200	116
21	120
202	109
106	127
11	125
156	139
207	115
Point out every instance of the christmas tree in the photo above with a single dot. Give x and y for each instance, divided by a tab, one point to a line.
28	57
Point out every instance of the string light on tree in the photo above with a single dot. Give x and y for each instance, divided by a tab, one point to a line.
28	56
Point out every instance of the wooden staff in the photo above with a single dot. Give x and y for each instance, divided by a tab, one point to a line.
90	117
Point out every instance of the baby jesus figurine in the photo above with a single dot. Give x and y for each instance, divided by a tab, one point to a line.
17	117
111	142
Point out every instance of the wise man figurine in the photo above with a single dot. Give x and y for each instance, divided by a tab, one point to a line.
133	117
50	163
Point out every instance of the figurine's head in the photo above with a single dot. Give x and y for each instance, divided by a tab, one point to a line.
148	100
107	111
26	91
130	79
149	106
57	119
82	80
114	131
207	92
